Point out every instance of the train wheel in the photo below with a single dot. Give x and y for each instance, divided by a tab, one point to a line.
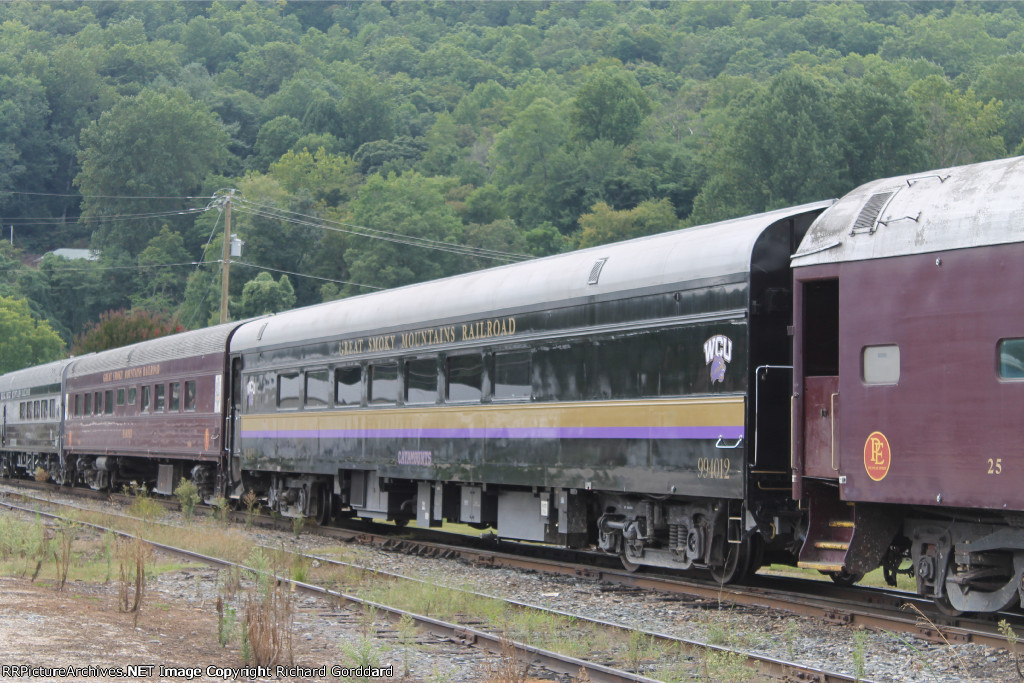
323	506
756	554
63	473
628	564
946	607
844	578
736	565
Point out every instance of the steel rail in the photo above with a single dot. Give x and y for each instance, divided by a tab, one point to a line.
879	609
557	663
861	606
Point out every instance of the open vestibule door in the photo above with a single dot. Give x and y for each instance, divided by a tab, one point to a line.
819	395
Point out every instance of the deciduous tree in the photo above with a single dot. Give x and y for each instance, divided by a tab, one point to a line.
263	295
603	224
406	208
156	145
121	328
24	340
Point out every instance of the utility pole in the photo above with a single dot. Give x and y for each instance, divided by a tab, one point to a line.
226	261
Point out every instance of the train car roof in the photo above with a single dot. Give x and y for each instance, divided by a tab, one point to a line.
38	376
693	254
183	345
953	208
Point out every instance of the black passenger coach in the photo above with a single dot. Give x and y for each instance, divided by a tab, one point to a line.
609	396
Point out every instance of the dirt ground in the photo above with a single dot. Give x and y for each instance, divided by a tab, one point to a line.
82	627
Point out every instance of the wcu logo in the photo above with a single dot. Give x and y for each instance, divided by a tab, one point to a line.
717	354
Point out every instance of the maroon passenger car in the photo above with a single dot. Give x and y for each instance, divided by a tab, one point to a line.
152	410
909	383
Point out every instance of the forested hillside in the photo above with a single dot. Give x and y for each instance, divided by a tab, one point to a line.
373	144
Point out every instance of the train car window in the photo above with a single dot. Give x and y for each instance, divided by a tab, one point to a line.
512	375
108	401
144	406
612	367
174	402
44	409
383	383
1011	358
318	388
421	380
35	410
53	408
288	387
190	395
348	386
87	410
132	394
120	397
559	372
465	378
159	399
880	364
78	405
97	403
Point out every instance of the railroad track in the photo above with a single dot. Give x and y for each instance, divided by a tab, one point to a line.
495	643
858	606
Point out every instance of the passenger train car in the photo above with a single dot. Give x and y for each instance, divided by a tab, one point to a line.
833	385
602	396
908	389
31	407
150	411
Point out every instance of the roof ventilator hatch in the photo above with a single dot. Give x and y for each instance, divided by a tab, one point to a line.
595	272
867	219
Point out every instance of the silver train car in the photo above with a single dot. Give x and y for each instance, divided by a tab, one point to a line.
32	415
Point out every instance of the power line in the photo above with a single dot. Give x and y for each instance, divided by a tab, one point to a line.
196	264
405	240
96	196
480	251
264	211
25	222
270	212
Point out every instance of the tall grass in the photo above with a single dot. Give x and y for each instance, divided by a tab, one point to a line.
267	629
66	531
133	555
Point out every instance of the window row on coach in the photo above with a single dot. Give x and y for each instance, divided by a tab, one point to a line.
170	397
637	364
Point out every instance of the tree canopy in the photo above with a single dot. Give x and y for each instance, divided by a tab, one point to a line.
121	328
375	144
24	340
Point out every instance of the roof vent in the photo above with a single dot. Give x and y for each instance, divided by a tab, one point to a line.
259	335
867	220
595	272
